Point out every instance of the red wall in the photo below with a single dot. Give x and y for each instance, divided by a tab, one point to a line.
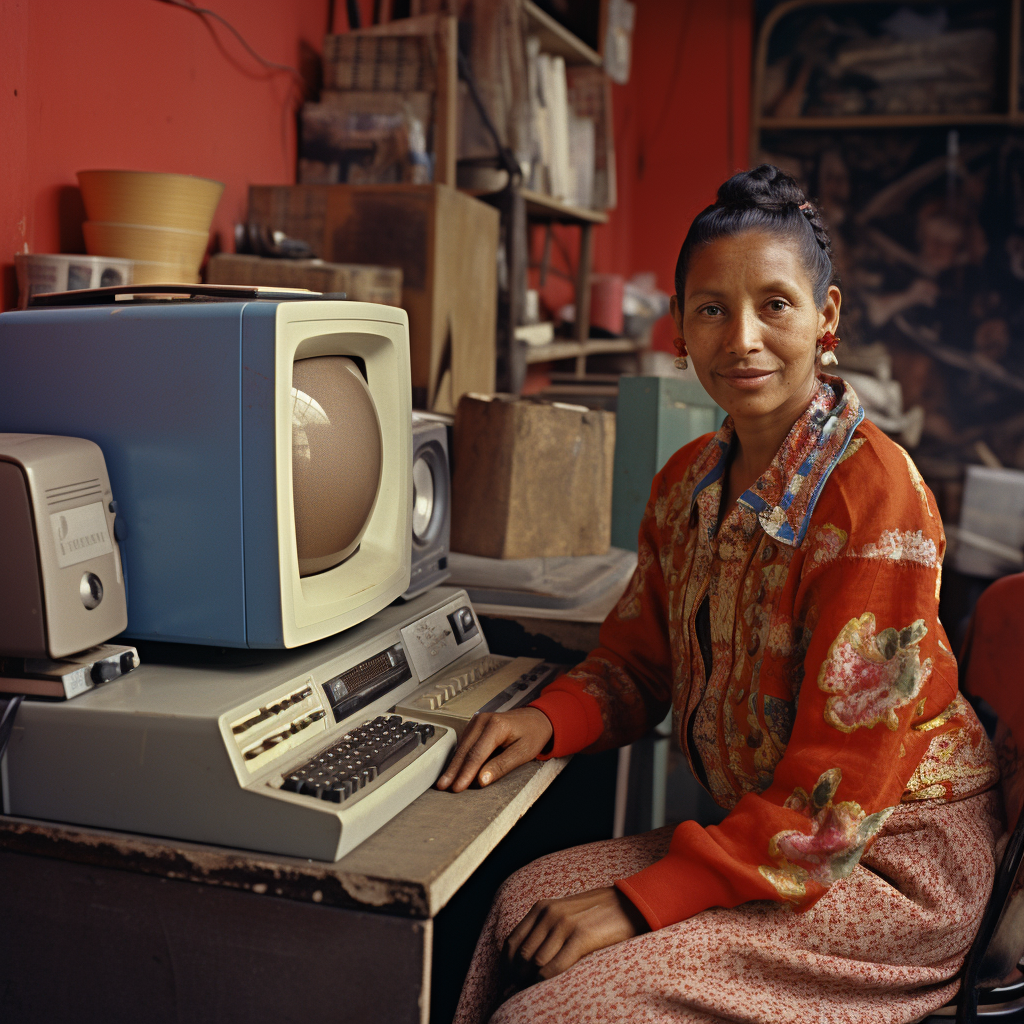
681	129
143	85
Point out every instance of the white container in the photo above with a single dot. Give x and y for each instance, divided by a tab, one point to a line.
58	272
991	533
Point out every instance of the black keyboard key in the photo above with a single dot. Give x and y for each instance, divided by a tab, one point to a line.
396	751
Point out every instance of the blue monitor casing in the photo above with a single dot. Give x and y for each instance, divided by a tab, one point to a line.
192	404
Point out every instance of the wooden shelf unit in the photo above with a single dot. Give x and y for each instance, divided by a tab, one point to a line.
887	121
576	349
557	39
759	122
542	207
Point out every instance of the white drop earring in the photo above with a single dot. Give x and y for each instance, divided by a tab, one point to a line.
680	347
826	349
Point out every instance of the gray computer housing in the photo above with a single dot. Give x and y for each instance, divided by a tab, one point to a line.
155	752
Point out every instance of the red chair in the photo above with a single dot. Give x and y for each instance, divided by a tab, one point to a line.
992	669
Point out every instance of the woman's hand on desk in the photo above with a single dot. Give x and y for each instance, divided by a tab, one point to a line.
521	735
557	933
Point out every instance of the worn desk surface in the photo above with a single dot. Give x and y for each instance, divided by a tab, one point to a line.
411	867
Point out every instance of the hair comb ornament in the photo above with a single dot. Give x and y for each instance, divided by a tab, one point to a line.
680	347
827	344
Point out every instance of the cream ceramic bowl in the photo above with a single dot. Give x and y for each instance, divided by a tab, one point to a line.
140	242
150	198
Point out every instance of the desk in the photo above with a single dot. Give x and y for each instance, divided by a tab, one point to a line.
106	926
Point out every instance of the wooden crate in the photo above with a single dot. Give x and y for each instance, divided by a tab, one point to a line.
360	283
445	244
531	480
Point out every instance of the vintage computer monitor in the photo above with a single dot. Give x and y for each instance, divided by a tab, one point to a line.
259	450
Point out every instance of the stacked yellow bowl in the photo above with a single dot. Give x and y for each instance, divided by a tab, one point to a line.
161	221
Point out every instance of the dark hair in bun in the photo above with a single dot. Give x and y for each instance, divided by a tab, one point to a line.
764	199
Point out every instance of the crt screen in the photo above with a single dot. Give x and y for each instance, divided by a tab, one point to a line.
337	459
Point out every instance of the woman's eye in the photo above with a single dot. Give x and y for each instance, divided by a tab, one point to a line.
777	305
713	310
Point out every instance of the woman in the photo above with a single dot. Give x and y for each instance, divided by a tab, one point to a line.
785	606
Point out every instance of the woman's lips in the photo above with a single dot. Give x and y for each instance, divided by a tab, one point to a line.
746	378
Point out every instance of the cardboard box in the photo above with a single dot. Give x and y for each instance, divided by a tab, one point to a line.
446	245
530	479
359	283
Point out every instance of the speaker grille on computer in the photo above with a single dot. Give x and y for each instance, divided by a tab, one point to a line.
431	508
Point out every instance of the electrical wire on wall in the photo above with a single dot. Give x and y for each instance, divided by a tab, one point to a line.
205	14
270	65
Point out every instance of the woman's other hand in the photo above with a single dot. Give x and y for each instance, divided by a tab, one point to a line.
557	933
521	735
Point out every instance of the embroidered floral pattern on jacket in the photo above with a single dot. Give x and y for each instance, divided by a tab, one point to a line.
872	676
958	762
903	546
827	542
833	848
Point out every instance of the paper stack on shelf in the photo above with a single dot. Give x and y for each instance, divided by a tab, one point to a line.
590	96
574	160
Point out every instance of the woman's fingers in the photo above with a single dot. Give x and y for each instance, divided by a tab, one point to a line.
546	927
522	930
556	933
493	735
469	738
554	942
523	733
512	756
573	949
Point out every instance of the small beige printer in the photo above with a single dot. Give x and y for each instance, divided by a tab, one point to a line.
61	584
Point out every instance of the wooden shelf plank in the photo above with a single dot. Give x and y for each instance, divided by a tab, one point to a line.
557	39
542	207
572	349
885	121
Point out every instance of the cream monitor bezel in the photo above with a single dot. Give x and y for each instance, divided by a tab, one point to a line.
379	570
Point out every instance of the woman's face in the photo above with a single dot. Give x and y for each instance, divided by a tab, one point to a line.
751	326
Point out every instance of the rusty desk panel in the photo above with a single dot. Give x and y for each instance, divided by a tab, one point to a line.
103	925
410	867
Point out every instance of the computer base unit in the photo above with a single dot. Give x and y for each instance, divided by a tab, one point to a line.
290	752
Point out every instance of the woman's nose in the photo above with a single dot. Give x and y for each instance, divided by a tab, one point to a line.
744	335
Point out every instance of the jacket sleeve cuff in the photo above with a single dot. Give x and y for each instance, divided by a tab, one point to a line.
682	883
574	716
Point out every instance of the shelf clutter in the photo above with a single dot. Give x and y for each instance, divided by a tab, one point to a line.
524	125
435	149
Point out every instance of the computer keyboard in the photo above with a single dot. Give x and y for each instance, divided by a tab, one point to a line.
360	760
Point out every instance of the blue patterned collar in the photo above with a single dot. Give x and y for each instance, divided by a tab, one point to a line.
784	496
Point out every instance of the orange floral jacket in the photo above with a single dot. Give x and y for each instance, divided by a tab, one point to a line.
831	694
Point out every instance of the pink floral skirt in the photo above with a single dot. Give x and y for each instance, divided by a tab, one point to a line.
882	945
